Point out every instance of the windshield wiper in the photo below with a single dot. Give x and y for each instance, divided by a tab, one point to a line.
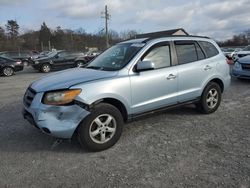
94	67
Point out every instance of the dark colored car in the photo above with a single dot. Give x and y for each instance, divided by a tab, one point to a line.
84	60
24	56
57	60
9	66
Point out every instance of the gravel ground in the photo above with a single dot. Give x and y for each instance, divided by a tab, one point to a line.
178	148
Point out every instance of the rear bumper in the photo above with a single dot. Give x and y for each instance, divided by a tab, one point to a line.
57	121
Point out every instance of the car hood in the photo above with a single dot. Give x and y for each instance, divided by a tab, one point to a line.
244	60
68	78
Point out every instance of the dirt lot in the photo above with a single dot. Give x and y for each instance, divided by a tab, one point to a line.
178	148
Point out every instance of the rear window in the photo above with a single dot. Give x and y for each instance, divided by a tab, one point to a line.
209	49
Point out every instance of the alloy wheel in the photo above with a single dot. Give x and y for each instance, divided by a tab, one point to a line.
8	71
46	68
212	98
102	128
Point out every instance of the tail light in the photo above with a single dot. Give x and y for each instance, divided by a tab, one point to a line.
228	61
18	62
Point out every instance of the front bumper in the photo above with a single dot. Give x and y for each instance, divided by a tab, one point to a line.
58	121
18	68
239	73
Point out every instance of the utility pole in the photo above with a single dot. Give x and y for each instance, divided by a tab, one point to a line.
106	17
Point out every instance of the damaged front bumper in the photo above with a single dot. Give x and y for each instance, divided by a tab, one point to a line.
58	121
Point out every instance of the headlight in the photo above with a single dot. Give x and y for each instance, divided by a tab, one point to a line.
60	97
237	65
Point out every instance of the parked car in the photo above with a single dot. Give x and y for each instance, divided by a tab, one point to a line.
228	52
9	66
129	80
241	68
56	60
24	56
84	60
240	53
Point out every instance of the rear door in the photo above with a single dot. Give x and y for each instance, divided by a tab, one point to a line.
71	59
193	69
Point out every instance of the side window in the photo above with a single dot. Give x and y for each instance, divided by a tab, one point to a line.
186	52
209	49
159	55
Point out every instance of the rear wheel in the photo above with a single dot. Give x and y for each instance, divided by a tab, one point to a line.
45	68
8	71
210	99
101	129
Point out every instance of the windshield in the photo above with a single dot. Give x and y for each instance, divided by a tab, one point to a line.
116	57
51	54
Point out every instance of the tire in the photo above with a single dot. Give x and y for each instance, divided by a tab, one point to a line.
210	98
80	64
45	68
8	71
101	129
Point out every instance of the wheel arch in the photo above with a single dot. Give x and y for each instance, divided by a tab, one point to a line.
115	102
112	101
219	82
216	80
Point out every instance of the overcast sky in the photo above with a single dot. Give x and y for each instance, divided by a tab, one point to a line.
219	19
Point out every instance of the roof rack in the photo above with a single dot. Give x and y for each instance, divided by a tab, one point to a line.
174	36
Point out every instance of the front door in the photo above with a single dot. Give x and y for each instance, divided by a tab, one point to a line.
156	88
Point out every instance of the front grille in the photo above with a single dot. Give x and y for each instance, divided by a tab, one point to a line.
29	96
245	66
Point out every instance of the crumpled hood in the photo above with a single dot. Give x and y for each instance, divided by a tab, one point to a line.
244	60
67	78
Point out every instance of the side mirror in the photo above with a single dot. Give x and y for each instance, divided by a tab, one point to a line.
145	65
56	56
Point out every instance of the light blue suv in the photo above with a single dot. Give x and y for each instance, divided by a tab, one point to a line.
130	79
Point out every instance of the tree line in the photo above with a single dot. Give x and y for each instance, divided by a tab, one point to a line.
59	38
242	39
76	40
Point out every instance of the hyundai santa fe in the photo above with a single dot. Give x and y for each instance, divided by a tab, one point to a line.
130	79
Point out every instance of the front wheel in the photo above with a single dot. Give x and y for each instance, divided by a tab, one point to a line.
101	129
8	71
210	99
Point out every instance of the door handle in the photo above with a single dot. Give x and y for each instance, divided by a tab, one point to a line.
171	77
207	67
